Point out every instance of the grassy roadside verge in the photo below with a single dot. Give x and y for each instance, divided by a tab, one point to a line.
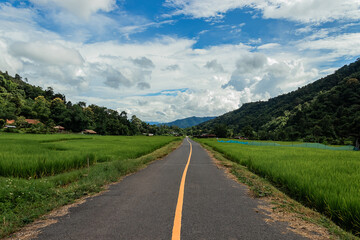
30	199
280	207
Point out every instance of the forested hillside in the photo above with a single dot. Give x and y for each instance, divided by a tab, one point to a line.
189	122
20	100
327	110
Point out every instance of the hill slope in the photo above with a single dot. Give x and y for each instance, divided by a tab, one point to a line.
327	109
189	122
20	100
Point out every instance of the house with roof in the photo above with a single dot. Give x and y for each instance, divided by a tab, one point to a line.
88	131
11	123
32	121
59	129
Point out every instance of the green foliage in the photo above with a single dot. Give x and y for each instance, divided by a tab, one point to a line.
2	123
326	180
7	109
220	130
21	122
248	131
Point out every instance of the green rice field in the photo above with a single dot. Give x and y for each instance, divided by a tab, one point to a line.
35	156
326	180
41	172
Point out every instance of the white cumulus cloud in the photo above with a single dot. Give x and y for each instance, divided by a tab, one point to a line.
47	53
347	44
297	10
264	77
81	8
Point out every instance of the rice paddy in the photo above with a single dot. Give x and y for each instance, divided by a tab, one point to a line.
36	156
41	172
328	181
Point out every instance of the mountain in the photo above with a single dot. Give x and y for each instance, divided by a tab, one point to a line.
189	122
327	110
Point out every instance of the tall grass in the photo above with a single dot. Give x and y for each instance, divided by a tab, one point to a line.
326	180
36	156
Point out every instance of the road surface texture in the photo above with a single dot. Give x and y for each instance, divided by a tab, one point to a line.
143	206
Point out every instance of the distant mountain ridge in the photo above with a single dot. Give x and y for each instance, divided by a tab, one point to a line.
187	122
325	110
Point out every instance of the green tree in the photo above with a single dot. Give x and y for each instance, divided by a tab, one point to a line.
2	123
220	130
58	111
42	108
7	84
27	109
263	135
136	124
90	116
248	131
78	119
327	126
7	109
21	122
317	132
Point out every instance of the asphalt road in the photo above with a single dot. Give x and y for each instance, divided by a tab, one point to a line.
143	206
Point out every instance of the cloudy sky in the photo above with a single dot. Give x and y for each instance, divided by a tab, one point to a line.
168	59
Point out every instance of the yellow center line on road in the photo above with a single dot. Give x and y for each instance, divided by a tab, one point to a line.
178	212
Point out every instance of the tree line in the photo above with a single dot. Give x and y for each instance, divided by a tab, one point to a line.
20	100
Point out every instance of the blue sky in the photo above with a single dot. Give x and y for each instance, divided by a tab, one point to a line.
168	59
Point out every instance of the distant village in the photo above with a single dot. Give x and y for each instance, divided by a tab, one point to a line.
29	123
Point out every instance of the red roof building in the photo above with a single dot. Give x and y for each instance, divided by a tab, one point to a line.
60	128
88	131
10	122
32	121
